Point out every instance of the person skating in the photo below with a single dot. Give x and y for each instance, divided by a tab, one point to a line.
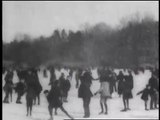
104	93
20	90
30	95
145	94
127	86
8	87
63	86
37	86
54	99
30	91
84	91
66	88
53	76
112	79
120	79
153	82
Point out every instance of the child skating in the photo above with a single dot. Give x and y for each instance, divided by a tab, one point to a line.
126	92
145	94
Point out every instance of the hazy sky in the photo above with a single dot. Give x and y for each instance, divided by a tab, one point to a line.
41	18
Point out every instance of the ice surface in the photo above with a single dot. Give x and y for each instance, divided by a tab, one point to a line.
15	111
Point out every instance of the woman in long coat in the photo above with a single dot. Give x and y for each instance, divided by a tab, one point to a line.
85	93
120	78
127	86
38	87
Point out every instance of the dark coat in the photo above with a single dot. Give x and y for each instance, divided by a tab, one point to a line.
104	76
153	82
120	78
33	88
145	94
54	97
8	86
64	86
62	82
113	78
53	76
9	76
84	89
37	83
127	87
129	81
30	94
32	80
20	88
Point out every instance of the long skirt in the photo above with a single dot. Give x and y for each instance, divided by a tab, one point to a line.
84	91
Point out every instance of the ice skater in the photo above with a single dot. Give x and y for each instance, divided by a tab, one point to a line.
66	88
120	79
84	91
30	92
54	98
104	90
145	94
29	99
53	76
127	86
113	79
8	87
104	95
20	90
153	82
38	87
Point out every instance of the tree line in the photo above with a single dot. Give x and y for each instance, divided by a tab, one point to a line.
129	45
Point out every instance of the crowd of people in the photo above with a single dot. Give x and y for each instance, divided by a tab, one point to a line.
29	83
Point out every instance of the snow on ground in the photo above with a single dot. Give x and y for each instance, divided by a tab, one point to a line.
15	111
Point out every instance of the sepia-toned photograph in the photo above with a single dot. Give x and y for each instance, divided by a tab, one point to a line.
68	60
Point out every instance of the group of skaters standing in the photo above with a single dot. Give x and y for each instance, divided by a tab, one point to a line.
107	78
29	84
58	93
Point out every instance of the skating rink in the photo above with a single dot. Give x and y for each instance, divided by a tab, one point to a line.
74	106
